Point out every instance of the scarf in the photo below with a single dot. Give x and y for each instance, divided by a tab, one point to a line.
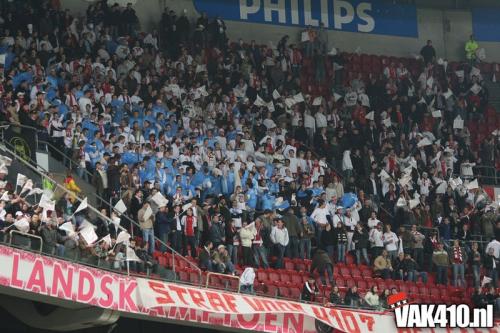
457	255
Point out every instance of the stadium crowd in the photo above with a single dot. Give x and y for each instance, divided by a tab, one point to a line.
255	167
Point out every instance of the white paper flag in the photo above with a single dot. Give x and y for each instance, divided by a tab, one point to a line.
2	58
298	98
106	239
460	74
473	185
336	97
270	106
387	122
120	207
21	179
436	114
35	191
259	101
89	235
458	123
159	199
290	102
68	227
424	142
28	186
123	237
22	225
7	161
317	101
201	68
5	197
401	202
83	205
131	256
333	51
187	206
441	189
46	203
414	203
148	213
276	94
370	115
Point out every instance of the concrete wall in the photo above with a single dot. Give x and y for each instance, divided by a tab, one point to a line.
449	29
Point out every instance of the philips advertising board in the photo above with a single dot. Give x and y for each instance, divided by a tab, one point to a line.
373	17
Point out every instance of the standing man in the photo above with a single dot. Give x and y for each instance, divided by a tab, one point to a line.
428	53
146	222
470	50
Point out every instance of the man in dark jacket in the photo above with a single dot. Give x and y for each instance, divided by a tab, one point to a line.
292	224
163	226
217	231
322	262
51	239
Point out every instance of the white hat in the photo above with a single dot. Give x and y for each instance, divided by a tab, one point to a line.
19	213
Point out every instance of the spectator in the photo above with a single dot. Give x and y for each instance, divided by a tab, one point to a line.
376	238
360	240
310	290
205	257
217	231
341	240
247	280
428	53
478	299
247	234
391	242
163	224
491	264
146	221
279	237
411	270
418	245
476	264
459	258
372	297
51	239
222	261
471	47
258	246
382	265
441	261
322	262
189	224
352	297
335	297
383	298
306	235
292	224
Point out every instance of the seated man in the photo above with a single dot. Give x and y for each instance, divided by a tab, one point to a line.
411	270
205	257
382	265
222	261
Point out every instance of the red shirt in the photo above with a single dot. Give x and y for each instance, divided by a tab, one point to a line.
189	226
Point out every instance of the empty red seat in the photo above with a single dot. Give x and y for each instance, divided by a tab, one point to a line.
345	272
295	293
262	276
284	292
285	277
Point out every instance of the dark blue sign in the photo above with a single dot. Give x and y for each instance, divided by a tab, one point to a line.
355	15
485	24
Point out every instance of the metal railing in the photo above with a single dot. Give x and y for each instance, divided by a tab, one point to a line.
223	276
99	214
24	234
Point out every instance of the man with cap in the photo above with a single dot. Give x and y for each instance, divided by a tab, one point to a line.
163	226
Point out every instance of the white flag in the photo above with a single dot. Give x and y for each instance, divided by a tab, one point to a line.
106	239
414	203
5	197
46	203
131	256
2	58
436	114
187	206
458	123
120	207
68	227
424	142
448	94
270	106
21	179
473	185
89	235
317	101
276	94
159	199
441	189
201	68
336	97
290	102
148	213
82	206
22	225
7	161
28	186
259	101
370	115
298	98
36	190
123	237
476	88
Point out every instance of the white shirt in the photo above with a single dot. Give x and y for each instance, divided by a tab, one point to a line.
279	236
391	241
372	223
376	238
319	215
